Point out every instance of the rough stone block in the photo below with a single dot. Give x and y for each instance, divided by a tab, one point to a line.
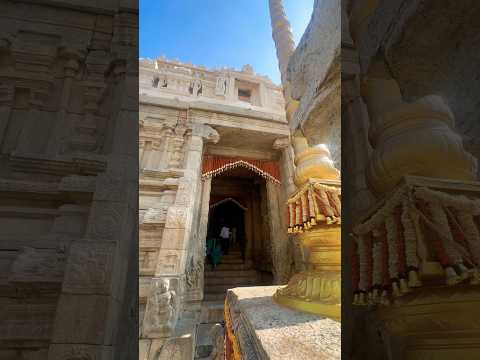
173	239
79	351
172	349
37	265
144	348
106	219
85	319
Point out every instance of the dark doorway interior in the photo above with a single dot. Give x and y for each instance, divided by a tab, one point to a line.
231	215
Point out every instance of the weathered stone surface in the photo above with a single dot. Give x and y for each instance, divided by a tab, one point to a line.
66	236
314	74
266	330
38	265
162	309
443	62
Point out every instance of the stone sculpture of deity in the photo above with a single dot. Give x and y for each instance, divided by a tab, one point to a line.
221	88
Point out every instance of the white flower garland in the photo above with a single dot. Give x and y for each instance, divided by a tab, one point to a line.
362	261
410	236
239	163
439	218
471	233
392	247
377	263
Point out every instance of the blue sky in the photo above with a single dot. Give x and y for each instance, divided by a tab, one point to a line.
217	33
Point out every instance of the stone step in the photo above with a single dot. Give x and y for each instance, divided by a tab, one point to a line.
231	261
222	267
222	288
230	273
244	280
234	253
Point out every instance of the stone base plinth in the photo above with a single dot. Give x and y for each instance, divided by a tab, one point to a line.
266	330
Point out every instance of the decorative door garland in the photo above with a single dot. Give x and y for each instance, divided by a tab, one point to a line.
215	165
231	348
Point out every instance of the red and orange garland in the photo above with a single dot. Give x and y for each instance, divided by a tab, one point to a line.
314	203
215	165
231	346
385	259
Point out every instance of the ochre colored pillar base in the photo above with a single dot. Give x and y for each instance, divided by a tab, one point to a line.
316	292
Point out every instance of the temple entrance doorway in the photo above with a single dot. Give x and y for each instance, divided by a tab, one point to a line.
228	214
237	202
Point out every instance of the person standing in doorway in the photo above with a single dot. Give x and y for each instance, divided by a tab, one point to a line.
225	238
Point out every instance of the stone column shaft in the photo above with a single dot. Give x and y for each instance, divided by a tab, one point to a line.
282	36
279	239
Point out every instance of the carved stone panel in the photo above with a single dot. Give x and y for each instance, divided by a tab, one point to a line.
38	265
170	261
90	267
148	261
176	217
105	220
162	307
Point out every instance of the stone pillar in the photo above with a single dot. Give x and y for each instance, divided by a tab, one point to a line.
282	36
281	258
204	210
287	167
419	309
200	247
318	288
177	269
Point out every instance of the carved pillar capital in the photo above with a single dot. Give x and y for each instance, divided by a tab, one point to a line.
411	138
281	143
312	162
206	132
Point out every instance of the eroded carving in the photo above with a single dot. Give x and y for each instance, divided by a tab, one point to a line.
162	307
38	265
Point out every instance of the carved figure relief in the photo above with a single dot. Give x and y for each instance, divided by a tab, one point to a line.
196	87
160	80
161	311
193	273
221	87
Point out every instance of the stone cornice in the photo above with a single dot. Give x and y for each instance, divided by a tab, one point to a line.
176	103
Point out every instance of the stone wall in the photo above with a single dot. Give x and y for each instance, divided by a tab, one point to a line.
178	124
68	229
